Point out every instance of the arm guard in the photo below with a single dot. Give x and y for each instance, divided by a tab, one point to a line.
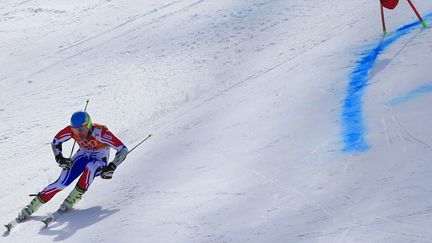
120	157
57	149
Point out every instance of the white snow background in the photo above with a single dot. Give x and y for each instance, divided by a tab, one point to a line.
244	100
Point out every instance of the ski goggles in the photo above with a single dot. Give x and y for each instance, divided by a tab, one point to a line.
82	130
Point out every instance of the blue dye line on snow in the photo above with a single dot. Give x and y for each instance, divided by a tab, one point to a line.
352	112
422	90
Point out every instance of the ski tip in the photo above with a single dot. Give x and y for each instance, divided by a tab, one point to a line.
8	230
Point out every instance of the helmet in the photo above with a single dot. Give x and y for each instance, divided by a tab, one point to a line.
81	118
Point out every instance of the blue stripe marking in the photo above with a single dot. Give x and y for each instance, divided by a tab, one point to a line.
352	112
422	90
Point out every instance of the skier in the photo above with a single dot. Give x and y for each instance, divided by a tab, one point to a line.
89	161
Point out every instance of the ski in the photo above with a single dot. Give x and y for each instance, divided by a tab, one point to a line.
9	226
12	224
53	217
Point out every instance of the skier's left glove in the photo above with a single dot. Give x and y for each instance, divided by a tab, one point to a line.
107	171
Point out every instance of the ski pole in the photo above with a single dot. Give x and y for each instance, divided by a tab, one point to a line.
140	143
73	146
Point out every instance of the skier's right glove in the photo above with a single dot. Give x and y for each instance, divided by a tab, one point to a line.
64	163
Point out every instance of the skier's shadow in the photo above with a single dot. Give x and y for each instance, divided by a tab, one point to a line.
69	223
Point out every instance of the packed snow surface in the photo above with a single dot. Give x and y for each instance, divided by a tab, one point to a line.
263	130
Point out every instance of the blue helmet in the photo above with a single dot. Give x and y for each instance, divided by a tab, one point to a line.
81	118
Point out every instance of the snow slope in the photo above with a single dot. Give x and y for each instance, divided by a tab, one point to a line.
245	102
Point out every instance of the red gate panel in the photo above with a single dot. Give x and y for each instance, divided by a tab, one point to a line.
390	4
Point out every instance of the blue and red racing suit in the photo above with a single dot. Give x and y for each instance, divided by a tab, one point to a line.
93	153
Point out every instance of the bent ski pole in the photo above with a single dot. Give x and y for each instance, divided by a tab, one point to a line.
139	143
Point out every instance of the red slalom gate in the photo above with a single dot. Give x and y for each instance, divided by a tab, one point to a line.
392	4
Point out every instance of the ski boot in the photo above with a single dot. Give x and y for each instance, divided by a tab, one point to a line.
34	205
74	197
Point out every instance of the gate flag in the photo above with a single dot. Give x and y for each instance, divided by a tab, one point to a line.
390	4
